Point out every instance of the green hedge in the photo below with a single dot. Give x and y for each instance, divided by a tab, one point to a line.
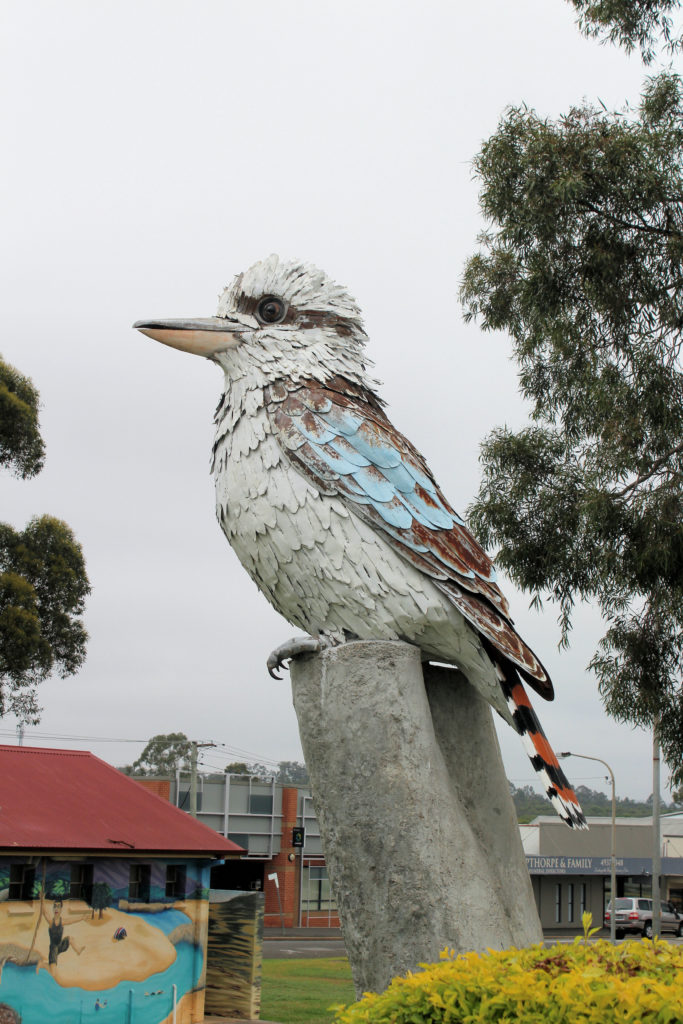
582	983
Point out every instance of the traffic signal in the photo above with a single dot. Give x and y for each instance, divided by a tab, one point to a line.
298	835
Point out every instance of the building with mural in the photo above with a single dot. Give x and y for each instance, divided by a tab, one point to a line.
104	895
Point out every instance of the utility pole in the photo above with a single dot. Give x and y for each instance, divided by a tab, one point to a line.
613	857
656	841
193	774
20	734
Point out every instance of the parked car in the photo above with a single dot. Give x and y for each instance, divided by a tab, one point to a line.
634	914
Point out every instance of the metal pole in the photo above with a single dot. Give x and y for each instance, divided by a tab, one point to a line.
193	780
656	843
193	774
273	878
613	857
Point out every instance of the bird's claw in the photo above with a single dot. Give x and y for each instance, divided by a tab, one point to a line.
290	649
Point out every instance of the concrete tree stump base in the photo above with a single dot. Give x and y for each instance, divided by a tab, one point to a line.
417	822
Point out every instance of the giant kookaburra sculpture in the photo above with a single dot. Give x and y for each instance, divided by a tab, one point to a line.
333	513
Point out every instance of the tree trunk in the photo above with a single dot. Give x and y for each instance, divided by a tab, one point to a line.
417	821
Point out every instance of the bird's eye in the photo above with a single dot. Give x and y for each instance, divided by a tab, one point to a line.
271	310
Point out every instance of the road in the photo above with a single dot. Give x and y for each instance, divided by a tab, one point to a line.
319	948
281	949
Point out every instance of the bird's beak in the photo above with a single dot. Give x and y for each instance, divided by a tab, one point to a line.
203	336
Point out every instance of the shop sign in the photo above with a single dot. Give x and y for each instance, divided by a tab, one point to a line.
575	865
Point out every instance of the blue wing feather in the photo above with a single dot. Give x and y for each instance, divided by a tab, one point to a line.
374	470
379	452
342	446
425	514
341	438
342	421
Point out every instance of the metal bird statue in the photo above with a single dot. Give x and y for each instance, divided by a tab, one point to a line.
333	513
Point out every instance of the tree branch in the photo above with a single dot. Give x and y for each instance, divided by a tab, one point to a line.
654	468
666	232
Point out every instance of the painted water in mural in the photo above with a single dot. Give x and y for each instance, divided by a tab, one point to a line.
121	951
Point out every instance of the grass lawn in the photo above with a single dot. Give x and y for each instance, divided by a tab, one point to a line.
301	991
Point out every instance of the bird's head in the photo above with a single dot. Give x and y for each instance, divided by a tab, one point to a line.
276	319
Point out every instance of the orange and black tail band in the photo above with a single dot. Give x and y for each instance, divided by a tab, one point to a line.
541	754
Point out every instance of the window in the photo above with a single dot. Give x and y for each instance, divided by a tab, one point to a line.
558	903
570	901
582	899
241	838
260	803
22	878
139	882
185	799
80	887
176	880
316	890
676	897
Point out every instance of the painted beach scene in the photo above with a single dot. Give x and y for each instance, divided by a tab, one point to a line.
104	959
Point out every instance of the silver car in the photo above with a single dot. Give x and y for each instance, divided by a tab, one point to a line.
634	914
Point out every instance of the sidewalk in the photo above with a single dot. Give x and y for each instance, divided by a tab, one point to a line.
549	935
302	933
234	1020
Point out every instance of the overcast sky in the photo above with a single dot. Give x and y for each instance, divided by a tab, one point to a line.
153	149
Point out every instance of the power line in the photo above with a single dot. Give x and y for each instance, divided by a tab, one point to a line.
67	736
237	752
246	753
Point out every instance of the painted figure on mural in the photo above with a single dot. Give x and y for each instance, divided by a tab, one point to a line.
59	942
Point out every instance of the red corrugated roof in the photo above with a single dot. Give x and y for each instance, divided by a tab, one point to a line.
70	799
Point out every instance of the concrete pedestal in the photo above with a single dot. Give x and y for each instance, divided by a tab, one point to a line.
416	818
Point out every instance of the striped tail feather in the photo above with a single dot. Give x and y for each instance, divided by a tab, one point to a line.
541	754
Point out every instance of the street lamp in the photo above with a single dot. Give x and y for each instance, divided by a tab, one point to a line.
612	917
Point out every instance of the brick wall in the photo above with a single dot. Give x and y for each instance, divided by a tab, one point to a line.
161	787
287	870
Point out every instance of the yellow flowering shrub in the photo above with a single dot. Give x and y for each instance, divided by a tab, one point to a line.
597	983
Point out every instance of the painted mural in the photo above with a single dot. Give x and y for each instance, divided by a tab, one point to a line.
128	947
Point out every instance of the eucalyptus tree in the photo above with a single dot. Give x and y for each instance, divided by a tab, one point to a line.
43	579
633	24
164	754
582	265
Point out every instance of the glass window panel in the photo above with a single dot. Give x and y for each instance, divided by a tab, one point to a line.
139	882
317	893
80	885
185	801
176	875
261	803
21	881
241	838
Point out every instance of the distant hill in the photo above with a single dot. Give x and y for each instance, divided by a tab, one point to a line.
529	804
